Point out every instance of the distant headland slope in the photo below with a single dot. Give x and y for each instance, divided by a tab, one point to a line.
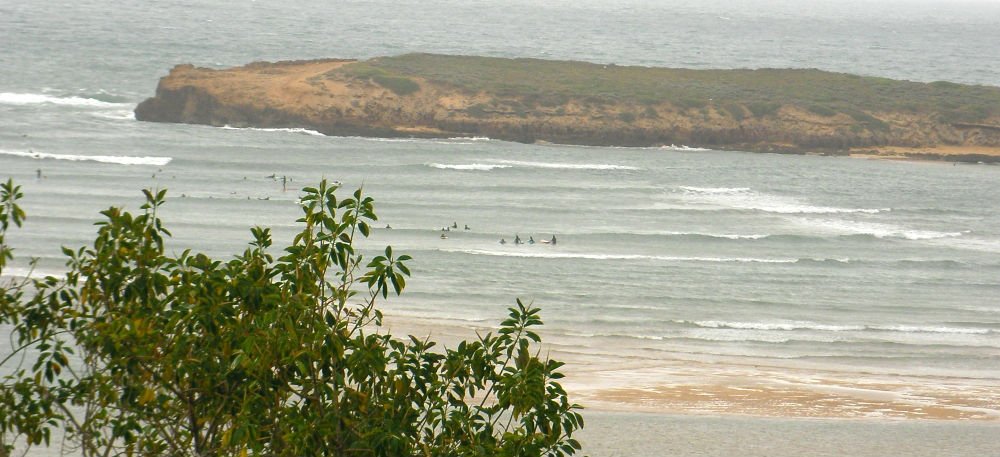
531	100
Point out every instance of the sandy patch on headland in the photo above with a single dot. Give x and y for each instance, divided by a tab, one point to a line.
923	153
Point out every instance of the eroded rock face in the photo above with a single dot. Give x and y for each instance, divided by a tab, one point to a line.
315	95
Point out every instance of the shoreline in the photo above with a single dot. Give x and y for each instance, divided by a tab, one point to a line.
953	154
745	388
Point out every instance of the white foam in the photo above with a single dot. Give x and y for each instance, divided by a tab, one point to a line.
729	236
673	147
716	190
470	138
746	198
879	230
787	326
566	166
930	329
805	325
468	166
122	115
17	99
121	160
282	130
562	255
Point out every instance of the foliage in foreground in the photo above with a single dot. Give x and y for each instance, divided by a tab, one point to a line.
136	352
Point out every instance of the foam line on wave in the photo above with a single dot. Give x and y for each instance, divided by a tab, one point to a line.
119	160
27	99
562	255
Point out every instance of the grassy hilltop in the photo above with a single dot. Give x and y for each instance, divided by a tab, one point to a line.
740	93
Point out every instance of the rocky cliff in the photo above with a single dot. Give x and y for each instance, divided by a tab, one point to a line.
529	100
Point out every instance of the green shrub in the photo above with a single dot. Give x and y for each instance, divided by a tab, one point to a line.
264	354
867	119
735	110
822	110
761	109
397	84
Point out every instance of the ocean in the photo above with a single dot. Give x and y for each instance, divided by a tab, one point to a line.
718	284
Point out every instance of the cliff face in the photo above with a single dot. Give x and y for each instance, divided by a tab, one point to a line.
332	98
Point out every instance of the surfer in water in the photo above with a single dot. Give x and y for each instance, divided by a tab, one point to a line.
517	239
553	241
444	237
531	240
503	241
454	225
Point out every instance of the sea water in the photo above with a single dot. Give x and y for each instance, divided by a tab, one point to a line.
670	261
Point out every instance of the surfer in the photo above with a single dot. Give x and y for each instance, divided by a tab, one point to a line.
388	227
454	225
517	239
444	237
553	241
531	240
467	227
284	182
503	241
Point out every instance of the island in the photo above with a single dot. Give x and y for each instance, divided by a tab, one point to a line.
534	101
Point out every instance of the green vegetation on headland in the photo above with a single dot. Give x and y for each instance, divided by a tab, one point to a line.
740	92
532	100
138	352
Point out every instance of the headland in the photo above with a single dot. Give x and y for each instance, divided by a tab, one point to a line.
529	100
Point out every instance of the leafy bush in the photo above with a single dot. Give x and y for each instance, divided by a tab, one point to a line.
761	109
138	352
399	85
822	110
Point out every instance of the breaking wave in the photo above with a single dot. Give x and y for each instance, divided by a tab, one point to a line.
562	255
283	130
566	166
880	230
673	147
21	99
748	199
801	325
468	166
120	160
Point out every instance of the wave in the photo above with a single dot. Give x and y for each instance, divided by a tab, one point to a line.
566	166
22	99
747	199
786	326
716	190
468	166
930	329
121	160
804	325
728	236
283	130
561	255
470	138
683	148
122	115
881	230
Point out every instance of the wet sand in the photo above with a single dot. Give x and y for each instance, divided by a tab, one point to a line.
745	387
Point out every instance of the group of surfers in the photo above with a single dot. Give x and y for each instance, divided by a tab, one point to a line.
517	238
531	240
